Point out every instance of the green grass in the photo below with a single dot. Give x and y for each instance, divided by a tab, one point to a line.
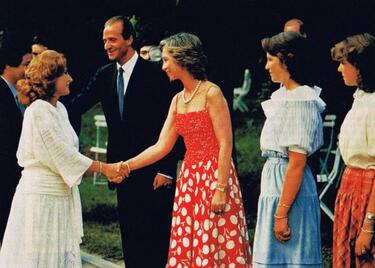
94	195
103	240
101	228
87	137
249	160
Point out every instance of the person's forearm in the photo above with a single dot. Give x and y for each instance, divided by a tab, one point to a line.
291	187
149	156
98	166
368	224
224	163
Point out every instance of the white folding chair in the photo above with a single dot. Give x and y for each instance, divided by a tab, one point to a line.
333	175
326	152
100	147
240	92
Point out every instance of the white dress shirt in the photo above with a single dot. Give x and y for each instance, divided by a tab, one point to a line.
128	68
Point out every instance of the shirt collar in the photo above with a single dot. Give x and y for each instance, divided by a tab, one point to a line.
358	93
129	65
11	86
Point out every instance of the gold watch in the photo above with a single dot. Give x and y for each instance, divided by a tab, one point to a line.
370	216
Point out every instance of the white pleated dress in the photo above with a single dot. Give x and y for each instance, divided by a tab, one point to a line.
45	223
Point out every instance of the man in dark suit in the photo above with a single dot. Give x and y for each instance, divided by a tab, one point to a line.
14	57
135	97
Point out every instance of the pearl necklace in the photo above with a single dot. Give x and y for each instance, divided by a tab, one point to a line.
192	94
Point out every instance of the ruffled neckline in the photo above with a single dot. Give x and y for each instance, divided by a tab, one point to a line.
359	93
301	93
43	103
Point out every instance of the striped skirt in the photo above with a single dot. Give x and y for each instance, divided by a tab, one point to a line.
350	209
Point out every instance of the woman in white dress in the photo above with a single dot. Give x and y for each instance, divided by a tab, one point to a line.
45	223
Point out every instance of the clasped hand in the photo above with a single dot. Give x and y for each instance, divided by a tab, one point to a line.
281	230
117	172
218	202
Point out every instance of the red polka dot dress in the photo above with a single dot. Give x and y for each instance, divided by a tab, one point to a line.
199	237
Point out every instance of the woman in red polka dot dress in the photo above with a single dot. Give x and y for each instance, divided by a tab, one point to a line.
208	225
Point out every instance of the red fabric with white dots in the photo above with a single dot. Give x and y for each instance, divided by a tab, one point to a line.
199	237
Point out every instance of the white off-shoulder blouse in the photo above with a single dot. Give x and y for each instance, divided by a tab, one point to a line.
293	121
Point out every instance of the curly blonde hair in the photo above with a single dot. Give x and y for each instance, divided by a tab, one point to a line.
40	77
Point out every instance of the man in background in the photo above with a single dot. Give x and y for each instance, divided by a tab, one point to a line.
295	25
38	45
14	57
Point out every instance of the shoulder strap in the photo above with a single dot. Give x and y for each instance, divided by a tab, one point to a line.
178	94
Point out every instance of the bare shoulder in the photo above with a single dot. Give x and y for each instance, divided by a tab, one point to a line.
174	101
214	93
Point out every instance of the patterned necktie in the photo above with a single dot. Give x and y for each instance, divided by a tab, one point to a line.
120	90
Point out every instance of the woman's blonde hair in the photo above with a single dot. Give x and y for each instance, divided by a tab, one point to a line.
40	77
187	50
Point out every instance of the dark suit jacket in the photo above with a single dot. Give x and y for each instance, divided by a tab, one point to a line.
146	105
144	213
10	131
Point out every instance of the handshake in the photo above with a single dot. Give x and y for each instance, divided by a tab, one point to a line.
115	172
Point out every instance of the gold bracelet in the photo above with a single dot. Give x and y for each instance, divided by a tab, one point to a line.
118	166
280	217
100	167
367	231
127	166
370	216
221	189
283	205
221	184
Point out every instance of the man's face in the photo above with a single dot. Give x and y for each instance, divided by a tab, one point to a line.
292	27
144	52
114	44
36	49
19	71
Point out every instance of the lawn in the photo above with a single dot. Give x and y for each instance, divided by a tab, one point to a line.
101	228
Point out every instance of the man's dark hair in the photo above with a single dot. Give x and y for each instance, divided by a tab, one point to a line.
40	40
127	26
13	47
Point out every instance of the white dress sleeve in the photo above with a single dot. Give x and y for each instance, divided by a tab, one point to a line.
302	126
54	148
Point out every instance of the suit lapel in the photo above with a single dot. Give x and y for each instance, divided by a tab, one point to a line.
112	92
133	89
9	99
